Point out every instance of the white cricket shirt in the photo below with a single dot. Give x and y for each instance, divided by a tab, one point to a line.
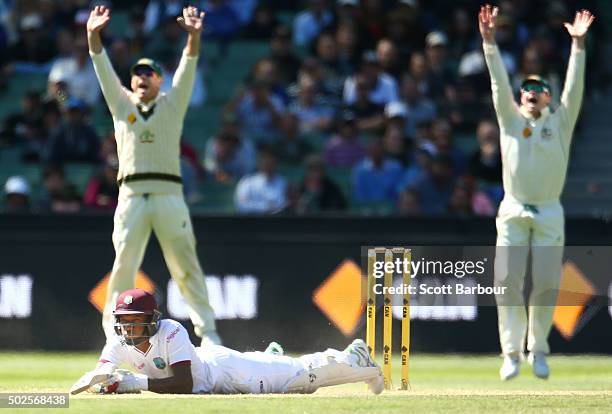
169	345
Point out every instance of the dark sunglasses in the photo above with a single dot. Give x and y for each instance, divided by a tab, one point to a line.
536	87
143	70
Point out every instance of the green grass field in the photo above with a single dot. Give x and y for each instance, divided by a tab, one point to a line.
440	384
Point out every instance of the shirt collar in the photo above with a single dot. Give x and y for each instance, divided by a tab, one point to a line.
543	113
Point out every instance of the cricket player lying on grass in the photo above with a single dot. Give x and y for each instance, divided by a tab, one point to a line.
165	361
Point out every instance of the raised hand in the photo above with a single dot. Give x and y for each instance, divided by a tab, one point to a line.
487	22
192	20
580	27
98	19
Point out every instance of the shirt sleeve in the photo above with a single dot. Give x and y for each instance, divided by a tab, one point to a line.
112	352
503	101
112	90
179	346
183	81
571	98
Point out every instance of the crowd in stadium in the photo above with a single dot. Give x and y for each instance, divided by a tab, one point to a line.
386	93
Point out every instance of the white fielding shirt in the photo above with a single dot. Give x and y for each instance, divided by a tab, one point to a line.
535	152
147	145
169	345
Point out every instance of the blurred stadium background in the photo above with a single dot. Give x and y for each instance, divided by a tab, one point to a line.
375	116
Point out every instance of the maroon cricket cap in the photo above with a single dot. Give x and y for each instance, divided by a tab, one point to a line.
135	302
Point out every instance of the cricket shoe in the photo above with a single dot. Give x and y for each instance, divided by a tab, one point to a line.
538	363
210	338
274	348
360	353
511	367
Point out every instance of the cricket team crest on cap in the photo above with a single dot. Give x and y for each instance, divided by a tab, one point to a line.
128	299
159	362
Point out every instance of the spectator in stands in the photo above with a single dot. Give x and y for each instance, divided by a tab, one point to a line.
442	137
227	156
281	53
34	47
405	27
263	25
326	52
313	114
408	203
461	34
374	179
317	192
440	72
395	146
121	59
222	21
102	192
21	127
419	73
291	146
396	114
384	87
265	70
462	106
34	145
370	116
467	201
485	162
159	11
435	187
16	195
421	165
75	140
420	108
163	41
59	195
387	55
78	73
345	149
259	112
264	191
348	48
310	22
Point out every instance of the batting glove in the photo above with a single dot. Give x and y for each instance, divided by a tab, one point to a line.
125	382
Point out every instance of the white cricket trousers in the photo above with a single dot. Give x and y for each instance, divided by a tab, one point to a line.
168	216
520	226
234	372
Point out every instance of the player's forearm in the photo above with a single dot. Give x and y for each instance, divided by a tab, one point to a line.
500	82
95	42
192	48
171	385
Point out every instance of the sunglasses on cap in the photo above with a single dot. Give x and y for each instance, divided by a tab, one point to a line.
536	87
143	70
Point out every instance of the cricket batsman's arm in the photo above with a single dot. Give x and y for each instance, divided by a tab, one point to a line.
503	101
573	89
109	82
192	21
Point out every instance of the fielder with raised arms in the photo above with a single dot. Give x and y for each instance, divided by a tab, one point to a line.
165	361
148	126
535	145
